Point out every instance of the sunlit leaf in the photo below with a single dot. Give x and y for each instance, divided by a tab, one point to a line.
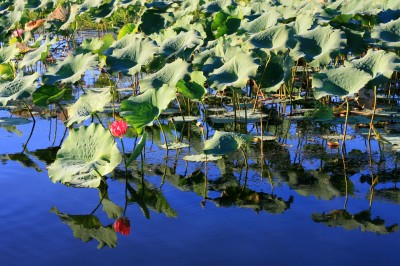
319	46
225	142
276	39
8	53
88	104
71	69
130	53
388	34
40	53
182	45
21	87
87	154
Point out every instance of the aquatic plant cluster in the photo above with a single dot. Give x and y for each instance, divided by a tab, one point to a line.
194	55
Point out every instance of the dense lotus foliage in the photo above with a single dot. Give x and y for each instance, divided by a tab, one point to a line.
170	50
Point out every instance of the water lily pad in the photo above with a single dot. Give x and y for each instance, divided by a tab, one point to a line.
201	158
186	118
175	145
86	155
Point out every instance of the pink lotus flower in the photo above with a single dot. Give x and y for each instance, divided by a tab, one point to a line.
118	128
17	33
122	226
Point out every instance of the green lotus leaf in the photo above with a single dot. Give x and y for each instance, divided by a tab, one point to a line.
88	227
278	71
40	53
388	34
186	23
141	110
21	87
71	69
152	21
304	22
379	64
7	71
201	158
342	81
105	10
319	46
96	45
8	53
164	82
182	45
225	142
73	13
88	104
87	154
193	89
235	72
224	23
127	29
88	4
130	53
276	39
48	94
263	22
217	5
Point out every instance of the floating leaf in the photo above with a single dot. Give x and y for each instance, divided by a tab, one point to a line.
88	104
71	69
175	145
21	87
86	155
201	158
13	121
225	142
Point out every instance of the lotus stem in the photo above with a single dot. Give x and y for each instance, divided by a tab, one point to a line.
345	122
259	84
164	136
29	110
371	124
245	157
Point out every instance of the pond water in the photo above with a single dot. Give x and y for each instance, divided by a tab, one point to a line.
308	204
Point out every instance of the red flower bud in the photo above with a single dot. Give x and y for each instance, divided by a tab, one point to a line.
118	128
122	226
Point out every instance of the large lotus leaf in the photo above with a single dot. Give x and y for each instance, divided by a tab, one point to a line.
140	110
379	64
152	21
182	45
225	142
40	53
71	69
127	29
105	10
86	155
21	87
340	81
319	46
276	39
164	82
193	89
304	22
217	5
48	94
386	16
96	45
356	40
278	71
185	23
388	34
8	53
263	22
130	53
73	13
224	23
88	104
88	227
235	72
